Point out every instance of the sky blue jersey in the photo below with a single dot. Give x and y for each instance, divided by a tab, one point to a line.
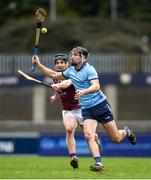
81	80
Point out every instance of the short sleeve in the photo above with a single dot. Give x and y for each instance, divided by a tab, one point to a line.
92	73
65	74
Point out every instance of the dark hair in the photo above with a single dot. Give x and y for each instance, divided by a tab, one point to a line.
81	50
60	56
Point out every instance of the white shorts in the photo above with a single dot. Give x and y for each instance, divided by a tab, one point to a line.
77	114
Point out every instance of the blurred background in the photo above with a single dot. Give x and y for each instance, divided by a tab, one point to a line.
118	36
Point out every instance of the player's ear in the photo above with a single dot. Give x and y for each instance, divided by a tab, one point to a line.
83	57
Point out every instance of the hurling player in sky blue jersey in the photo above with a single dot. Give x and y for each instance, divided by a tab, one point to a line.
95	108
71	109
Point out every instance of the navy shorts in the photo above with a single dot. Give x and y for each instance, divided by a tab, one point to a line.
101	112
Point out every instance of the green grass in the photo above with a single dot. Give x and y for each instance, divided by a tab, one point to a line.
32	167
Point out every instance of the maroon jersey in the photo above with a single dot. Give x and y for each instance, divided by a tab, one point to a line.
67	98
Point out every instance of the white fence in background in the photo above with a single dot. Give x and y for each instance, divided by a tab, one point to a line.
104	62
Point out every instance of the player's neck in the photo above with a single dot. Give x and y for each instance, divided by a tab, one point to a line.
78	66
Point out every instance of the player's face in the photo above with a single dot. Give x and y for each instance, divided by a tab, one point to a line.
61	65
76	58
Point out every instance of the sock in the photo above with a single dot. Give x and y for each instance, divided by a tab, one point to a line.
127	133
98	160
73	155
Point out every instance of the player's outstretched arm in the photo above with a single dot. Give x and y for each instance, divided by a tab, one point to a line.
62	85
48	72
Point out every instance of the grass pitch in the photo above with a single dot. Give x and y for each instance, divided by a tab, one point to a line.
35	167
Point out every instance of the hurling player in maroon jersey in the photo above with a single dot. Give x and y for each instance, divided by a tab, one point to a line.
71	111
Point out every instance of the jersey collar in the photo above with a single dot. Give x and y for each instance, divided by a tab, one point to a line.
83	64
